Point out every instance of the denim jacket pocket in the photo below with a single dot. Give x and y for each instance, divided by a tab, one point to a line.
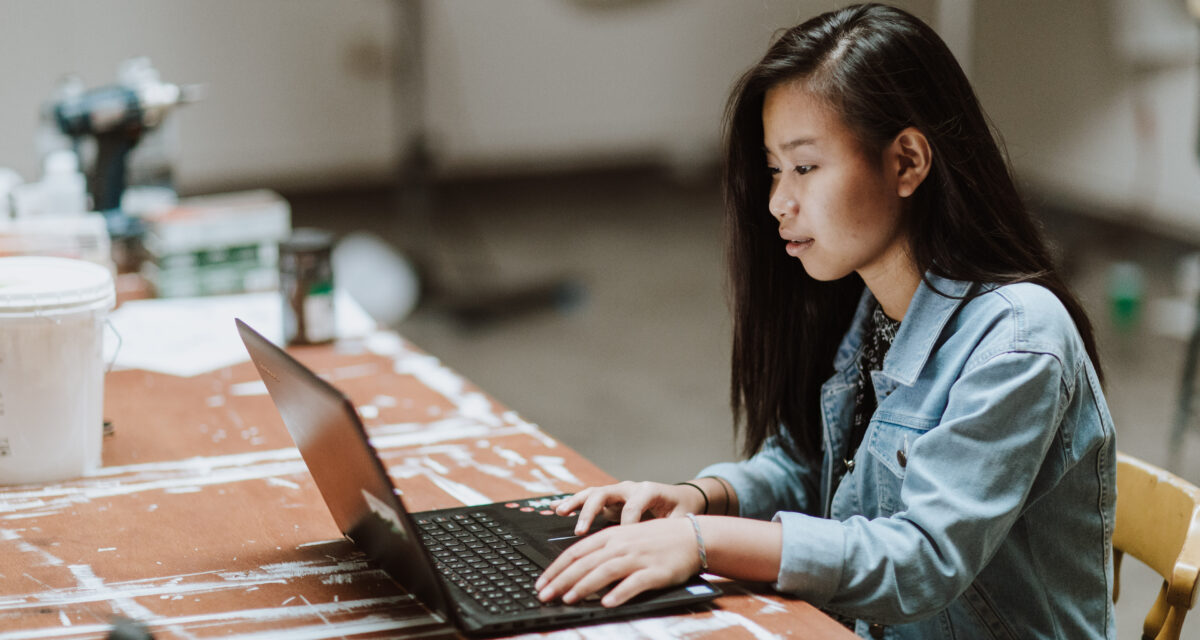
985	614
889	441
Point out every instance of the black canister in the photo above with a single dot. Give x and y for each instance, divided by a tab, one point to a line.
306	283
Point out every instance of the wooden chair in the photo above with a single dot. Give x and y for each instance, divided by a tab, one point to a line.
1158	522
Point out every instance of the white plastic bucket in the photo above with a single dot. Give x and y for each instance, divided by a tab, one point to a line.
52	314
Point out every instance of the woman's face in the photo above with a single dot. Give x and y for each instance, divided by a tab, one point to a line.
837	205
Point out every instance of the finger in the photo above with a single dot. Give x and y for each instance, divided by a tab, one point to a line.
570	504
566	559
632	585
612	511
564	572
635	507
595	503
606	571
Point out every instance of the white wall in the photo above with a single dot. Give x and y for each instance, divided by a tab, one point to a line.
298	91
547	83
551	83
315	93
1097	100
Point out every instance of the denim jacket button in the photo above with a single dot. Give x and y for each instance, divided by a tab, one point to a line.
876	631
902	458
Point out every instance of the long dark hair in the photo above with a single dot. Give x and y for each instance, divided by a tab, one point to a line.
883	70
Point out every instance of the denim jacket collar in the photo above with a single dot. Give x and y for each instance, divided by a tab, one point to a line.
926	317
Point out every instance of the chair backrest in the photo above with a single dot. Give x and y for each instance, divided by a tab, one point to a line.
1158	522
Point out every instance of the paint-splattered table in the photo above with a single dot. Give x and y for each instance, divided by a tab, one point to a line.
204	522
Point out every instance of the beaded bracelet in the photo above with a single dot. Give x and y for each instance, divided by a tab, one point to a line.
699	543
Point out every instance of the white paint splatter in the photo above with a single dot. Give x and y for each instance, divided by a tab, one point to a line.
252	388
80	492
280	482
463	457
661	628
512	457
121	604
382	614
554	466
383	401
92	590
413	467
738	620
191	475
478	406
434	464
48	559
460	492
62	617
318	543
545	481
441	379
383	617
316	611
769	606
511	418
454	428
365	625
368	411
288	570
355	371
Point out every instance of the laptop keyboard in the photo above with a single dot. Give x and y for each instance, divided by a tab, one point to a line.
479	555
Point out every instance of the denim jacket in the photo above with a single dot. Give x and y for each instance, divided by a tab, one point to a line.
981	500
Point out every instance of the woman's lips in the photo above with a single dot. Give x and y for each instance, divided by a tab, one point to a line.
798	246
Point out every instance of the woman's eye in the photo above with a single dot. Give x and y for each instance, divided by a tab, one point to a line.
804	168
774	171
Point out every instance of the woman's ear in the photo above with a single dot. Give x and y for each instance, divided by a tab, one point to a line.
910	150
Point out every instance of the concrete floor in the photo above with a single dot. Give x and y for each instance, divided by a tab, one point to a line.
634	373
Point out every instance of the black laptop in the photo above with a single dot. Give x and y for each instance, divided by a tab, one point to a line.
472	566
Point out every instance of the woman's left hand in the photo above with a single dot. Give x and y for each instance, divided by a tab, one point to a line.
647	555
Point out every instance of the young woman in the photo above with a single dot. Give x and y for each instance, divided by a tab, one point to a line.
931	454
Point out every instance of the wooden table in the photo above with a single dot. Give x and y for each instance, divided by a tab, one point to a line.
204	522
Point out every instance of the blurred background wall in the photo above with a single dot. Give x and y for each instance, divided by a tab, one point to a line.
314	93
1097	102
1096	98
296	93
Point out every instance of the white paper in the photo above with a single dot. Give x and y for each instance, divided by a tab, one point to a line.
189	336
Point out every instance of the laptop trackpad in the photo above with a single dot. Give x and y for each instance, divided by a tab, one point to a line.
559	538
557	545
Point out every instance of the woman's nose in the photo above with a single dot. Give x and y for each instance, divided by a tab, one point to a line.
781	206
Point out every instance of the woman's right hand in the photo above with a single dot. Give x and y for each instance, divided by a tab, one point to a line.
629	502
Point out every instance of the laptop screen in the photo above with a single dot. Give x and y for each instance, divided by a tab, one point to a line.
346	469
